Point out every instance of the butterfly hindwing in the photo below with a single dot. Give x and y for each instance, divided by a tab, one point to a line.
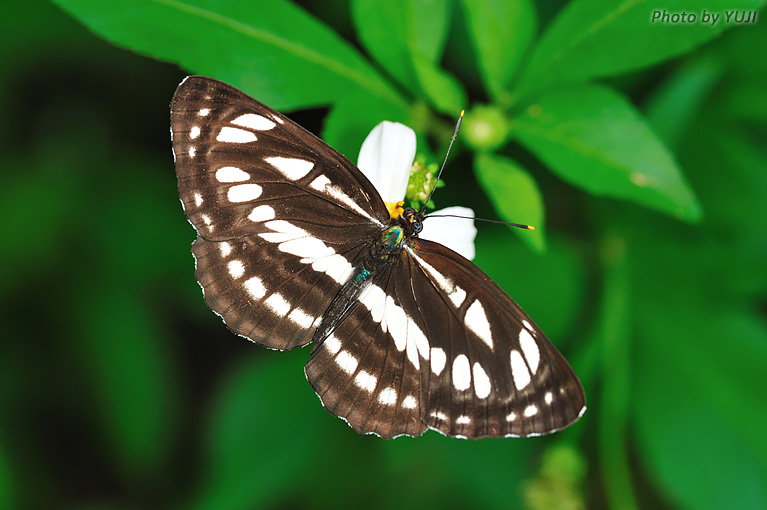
264	294
367	371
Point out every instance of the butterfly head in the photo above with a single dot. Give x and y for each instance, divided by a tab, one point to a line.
412	221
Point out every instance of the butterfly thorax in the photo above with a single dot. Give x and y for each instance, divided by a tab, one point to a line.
380	254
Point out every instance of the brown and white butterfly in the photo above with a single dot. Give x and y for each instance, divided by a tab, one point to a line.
295	245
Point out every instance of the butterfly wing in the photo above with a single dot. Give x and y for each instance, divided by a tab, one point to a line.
492	371
280	214
364	371
435	339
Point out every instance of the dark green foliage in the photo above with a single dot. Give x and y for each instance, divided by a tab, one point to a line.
636	149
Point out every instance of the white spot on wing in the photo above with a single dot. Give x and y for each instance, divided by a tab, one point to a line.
235	135
463	420
319	183
332	344
416	336
461	372
406	334
511	417
438	360
548	398
261	213
409	402
236	269
243	192
306	248
278	304
204	112
283	231
519	370
231	174
291	168
476	320
481	381
439	415
388	396
530	410
255	287
396	323
366	381
374	300
313	251
197	199
457	296
192	152
412	349
253	121
347	362
345	199
335	266
301	318
529	349
194	132
225	249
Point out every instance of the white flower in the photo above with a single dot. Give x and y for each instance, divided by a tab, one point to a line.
385	158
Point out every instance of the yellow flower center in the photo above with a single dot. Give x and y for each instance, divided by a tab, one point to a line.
395	208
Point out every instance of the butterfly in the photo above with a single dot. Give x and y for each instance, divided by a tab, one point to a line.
295	245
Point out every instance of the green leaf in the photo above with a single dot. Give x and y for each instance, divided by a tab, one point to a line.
593	138
442	90
273	50
352	118
430	26
406	37
500	32
514	194
698	396
267	429
674	105
597	38
131	374
391	31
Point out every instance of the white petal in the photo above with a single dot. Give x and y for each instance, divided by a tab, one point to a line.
456	233
386	157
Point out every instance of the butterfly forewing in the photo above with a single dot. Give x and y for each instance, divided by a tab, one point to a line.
280	214
233	154
492	372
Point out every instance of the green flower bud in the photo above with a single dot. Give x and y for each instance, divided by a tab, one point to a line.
485	128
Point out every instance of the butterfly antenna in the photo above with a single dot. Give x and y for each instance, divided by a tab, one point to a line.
455	134
518	225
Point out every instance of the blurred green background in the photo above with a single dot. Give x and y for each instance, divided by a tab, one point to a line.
638	150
